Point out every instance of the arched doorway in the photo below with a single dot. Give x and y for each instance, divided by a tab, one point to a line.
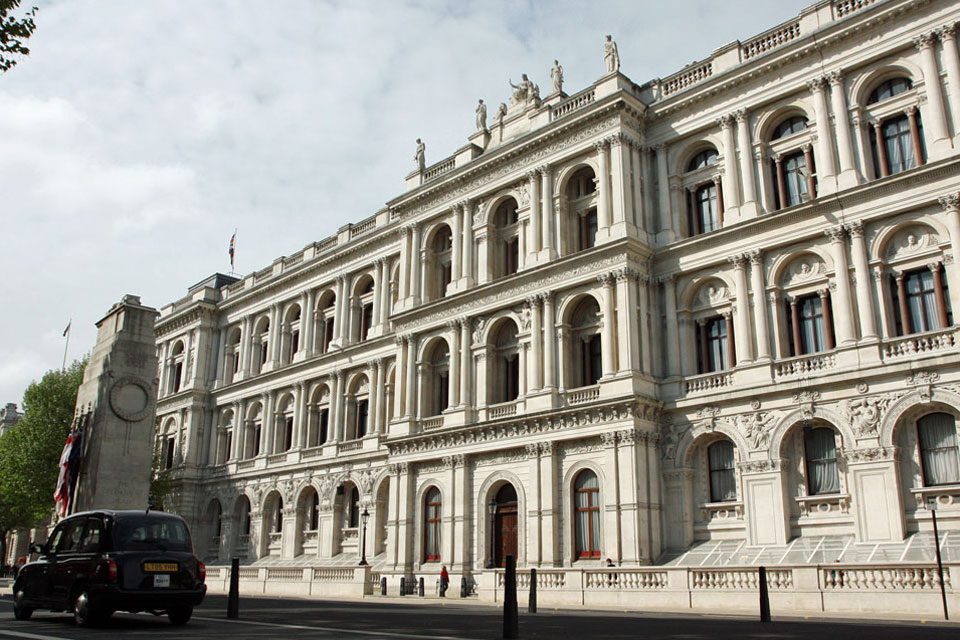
505	525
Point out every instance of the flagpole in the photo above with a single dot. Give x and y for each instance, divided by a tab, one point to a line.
66	346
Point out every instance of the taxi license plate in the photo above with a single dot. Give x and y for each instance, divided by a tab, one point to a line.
160	567
161	581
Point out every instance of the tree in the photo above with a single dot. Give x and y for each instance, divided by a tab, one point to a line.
14	32
30	451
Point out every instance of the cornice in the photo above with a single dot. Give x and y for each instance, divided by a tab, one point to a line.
199	310
818	40
528	425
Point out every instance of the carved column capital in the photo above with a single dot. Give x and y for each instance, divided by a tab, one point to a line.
726	121
836	234
739	261
925	40
947	31
817	84
950	202
834	78
855	229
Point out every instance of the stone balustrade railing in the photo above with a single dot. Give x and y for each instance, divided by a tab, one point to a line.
739	579
708	382
285	574
573	103
685	78
434	422
946	497
844	8
436	170
503	410
802	365
363	227
830	504
583	395
921	343
626	579
350	445
721	511
884	578
776	37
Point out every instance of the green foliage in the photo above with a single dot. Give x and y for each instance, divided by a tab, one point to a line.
14	32
30	450
160	481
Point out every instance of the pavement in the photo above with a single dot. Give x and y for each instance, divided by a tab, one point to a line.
262	618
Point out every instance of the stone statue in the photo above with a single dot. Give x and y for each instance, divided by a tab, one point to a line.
501	113
526	91
420	157
610	55
556	74
481	116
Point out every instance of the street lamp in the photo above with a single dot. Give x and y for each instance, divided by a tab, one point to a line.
492	510
364	517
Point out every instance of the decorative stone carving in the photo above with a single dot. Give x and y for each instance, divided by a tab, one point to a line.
611	55
805	400
874	454
864	414
526	93
523	194
420	156
556	77
757	428
712	295
803	270
481	113
759	466
910	241
924	381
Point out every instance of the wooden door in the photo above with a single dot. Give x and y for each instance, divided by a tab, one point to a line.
506	532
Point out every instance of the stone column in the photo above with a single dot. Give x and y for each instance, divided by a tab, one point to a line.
881	291
456	262
535	366
842	310
546	189
379	279
628	343
415	261
951	209
603	189
610	497
742	335
637	189
307	323
935	117
480	370
300	417
411	377
622	213
534	534
468	207
673	339
759	304
246	346
849	176
549	535
377	385
549	341
236	444
608	351
951	62
455	362
336	391
669	218
826	170
267	423
340	312
466	360
646	191
646	325
749	208
405	523
731	176
406	262
861	270
385	297
533	243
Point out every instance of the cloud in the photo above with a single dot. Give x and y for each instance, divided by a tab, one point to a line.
138	135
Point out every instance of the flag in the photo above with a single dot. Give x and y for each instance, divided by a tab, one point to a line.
62	493
233	246
67	330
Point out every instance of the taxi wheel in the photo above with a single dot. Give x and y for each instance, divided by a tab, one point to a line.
84	612
180	615
20	611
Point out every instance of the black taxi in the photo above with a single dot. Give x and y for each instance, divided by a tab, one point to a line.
98	562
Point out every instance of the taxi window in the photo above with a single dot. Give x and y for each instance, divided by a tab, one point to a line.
151	534
70	540
91	538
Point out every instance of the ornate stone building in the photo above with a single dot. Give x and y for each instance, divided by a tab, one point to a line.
706	319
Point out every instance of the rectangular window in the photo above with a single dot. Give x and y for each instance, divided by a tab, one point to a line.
511	381
899	144
264	353
362	411
820	449
177	376
512	257
168	452
366	321
723	472
256	439
288	433
324	419
588	230
228	447
810	310
236	362
294	341
327	334
937	433
443	391
706	202
921	301
795	179
712	343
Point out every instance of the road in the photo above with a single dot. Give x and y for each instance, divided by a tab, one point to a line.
263	618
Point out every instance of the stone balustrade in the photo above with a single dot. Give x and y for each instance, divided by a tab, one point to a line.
363	227
776	37
687	77
921	343
843	8
434	422
573	103
946	497
803	365
503	410
883	578
831	504
436	170
708	382
350	445
583	395
722	511
626	579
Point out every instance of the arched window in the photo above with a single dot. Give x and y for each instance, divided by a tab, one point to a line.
921	300
707	215
441	263
939	454
290	334
506	360
586	490
243	511
889	89
439	378
283	437
231	363
706	158
314	519
788	127
318	417
723	473
176	370
581	192
820	454
812	317
262	336
507	235
354	519
795	178
713	344
276	522
432	512
586	343
365	295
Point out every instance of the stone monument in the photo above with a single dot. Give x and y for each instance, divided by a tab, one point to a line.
118	395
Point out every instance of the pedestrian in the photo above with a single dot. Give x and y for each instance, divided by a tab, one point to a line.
444	581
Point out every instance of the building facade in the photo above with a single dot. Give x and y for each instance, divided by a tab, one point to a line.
707	318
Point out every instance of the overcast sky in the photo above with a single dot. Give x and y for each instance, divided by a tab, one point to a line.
140	133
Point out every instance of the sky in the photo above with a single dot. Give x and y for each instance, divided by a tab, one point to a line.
139	134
